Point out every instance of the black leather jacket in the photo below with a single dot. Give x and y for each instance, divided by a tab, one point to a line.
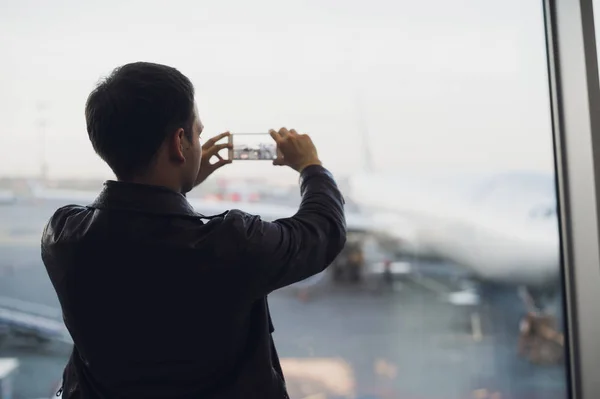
161	304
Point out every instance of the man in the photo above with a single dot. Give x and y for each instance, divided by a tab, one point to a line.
161	303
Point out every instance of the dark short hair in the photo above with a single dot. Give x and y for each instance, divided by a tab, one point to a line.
130	113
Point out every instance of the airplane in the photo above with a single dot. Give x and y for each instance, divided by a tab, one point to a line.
501	228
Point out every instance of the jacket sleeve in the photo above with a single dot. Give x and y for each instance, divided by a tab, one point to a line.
283	252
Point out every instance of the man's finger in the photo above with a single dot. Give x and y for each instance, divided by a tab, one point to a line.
275	136
220	163
210	142
293	132
279	161
213	150
283	132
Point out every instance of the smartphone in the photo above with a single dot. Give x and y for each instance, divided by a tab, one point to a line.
252	147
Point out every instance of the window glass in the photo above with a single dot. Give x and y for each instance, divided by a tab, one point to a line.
433	116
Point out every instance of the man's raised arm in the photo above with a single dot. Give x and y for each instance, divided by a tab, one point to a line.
283	252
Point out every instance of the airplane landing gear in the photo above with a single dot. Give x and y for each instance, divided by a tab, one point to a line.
349	263
540	340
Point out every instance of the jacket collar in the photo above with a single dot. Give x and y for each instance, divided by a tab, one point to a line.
143	198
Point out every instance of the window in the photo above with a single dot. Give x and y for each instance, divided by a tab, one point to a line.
435	118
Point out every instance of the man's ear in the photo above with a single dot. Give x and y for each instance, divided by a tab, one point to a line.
177	145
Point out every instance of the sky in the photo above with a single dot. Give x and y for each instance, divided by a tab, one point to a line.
439	85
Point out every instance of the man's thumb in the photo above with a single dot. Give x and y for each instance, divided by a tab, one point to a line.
278	161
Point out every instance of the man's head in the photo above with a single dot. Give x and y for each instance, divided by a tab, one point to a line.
142	121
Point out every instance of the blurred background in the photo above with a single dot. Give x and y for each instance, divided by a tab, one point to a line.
433	116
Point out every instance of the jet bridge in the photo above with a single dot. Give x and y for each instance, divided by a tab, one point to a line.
8	369
39	323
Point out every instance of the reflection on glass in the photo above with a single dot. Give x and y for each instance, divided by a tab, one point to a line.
433	116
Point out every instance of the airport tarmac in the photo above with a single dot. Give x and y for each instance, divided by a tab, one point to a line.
401	343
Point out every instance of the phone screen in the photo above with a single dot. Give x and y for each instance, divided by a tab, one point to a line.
252	147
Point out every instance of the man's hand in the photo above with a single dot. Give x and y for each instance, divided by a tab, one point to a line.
211	149
294	150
